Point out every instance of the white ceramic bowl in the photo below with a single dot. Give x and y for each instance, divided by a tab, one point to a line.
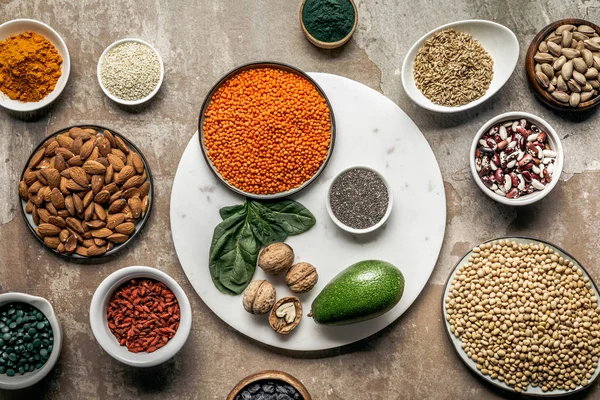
31	378
366	230
553	141
19	26
499	41
130	102
109	342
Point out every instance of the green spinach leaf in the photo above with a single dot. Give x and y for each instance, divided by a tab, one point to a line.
228	211
265	231
237	239
233	255
290	215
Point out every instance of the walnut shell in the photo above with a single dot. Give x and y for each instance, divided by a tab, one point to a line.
279	324
259	297
302	277
276	258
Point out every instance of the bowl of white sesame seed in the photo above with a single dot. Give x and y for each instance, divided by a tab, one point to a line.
130	71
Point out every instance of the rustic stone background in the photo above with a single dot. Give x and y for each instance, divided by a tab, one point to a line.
201	40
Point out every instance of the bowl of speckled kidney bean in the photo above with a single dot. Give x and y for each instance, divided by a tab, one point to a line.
30	340
140	316
516	158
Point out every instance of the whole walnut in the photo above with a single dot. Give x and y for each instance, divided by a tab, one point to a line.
259	297
302	277
276	258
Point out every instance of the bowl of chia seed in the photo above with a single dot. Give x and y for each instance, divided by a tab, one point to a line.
130	71
269	385
359	200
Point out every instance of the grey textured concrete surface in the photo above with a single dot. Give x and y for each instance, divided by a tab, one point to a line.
201	40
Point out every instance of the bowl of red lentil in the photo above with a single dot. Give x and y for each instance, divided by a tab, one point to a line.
140	316
267	130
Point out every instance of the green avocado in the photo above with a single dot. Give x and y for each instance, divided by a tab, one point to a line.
362	291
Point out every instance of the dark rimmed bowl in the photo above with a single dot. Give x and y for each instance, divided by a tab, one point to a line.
456	343
271	376
139	225
539	91
207	101
329	45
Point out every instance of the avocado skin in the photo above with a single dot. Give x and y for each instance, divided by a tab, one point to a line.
362	291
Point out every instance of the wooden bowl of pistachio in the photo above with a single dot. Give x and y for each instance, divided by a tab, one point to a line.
563	64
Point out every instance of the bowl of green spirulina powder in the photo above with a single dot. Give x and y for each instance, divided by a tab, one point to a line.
328	23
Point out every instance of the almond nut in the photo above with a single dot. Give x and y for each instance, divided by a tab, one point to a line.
138	164
102	197
86	149
94	250
23	192
113	220
126	173
116	162
101	233
117	206
118	238
100	212
97	183
135	204
126	228
134	181
36	158
46	229
57	198
93	167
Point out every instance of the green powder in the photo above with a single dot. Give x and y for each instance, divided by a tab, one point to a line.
328	20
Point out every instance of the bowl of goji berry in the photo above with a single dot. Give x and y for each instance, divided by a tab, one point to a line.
140	316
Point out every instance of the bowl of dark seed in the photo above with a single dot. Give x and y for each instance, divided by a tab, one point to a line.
269	385
359	200
130	71
516	158
30	340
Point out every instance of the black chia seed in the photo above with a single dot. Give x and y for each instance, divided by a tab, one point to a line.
359	198
269	390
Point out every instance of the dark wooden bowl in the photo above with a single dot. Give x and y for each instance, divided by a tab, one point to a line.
270	376
329	45
540	92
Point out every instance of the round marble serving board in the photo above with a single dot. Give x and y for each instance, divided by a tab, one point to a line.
371	130
530	391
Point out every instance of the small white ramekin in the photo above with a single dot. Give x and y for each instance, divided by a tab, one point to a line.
109	342
371	228
18	26
553	140
130	102
31	378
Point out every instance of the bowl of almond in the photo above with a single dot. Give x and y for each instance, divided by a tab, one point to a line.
86	191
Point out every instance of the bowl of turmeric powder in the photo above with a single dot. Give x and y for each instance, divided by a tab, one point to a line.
34	65
267	130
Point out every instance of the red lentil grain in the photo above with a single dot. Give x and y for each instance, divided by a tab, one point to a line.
267	130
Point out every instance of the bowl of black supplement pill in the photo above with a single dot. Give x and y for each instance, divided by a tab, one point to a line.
359	200
269	385
30	340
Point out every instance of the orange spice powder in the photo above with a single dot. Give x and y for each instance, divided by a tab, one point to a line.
267	131
29	67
